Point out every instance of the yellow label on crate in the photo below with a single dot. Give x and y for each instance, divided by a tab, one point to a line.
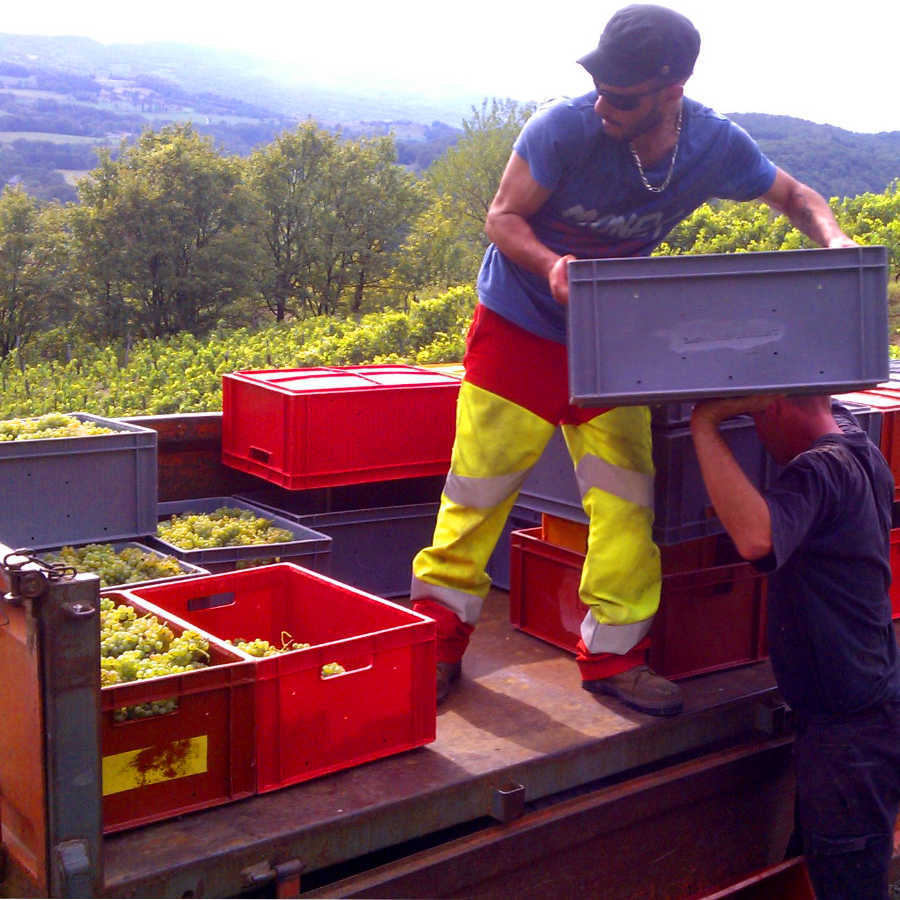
150	765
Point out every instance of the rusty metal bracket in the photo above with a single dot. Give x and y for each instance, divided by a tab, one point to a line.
286	876
508	802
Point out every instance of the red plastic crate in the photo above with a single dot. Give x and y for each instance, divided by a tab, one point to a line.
885	399
307	725
199	755
319	427
695	554
895	564
708	619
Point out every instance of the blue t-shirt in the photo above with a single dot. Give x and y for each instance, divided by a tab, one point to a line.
829	628
599	207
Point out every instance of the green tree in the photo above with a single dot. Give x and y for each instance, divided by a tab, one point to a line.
161	229
447	241
287	179
329	216
375	202
33	261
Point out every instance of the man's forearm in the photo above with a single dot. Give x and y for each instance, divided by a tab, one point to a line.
514	237
810	213
739	505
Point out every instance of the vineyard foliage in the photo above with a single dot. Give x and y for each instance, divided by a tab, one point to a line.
183	373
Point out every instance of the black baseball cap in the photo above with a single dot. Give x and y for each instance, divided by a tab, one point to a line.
641	42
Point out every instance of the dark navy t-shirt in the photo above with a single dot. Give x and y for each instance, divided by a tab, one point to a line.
829	615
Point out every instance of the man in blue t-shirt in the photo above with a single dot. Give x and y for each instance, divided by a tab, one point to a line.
607	174
823	532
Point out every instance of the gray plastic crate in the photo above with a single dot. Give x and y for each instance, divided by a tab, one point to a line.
188	570
682	507
551	486
670	415
373	549
309	548
78	489
683	510
675	328
369	495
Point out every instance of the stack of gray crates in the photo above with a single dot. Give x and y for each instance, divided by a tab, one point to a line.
682	508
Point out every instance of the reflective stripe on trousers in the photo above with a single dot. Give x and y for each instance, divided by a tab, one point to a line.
612	453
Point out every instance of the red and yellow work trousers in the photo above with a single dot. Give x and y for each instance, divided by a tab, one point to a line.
514	394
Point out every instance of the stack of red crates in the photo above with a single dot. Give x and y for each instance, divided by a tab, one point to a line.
711	614
886	399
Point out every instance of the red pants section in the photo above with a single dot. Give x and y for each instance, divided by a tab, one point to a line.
601	665
452	633
522	367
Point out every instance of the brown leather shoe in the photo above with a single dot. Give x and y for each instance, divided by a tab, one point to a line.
641	689
447	676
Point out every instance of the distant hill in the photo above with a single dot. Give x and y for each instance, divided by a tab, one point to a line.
835	162
62	97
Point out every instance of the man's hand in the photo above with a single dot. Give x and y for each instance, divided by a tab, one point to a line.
559	279
712	412
841	240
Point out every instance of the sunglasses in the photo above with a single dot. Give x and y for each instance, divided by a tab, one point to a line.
626	102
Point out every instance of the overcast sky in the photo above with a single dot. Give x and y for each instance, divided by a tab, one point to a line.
815	60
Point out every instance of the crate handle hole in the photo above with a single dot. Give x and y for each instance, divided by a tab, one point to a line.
259	454
347	672
211	601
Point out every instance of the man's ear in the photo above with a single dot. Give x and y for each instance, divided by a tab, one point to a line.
674	91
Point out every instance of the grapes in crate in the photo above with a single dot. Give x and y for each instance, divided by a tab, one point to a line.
224	527
52	425
125	566
261	648
134	647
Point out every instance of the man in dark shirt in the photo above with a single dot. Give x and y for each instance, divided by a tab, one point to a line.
822	531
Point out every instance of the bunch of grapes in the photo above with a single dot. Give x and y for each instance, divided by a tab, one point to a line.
52	425
134	647
125	566
259	647
225	527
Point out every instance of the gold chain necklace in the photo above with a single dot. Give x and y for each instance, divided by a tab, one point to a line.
658	189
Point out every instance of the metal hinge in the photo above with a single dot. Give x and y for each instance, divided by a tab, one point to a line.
31	583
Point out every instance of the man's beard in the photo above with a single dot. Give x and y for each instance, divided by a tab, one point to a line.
642	126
